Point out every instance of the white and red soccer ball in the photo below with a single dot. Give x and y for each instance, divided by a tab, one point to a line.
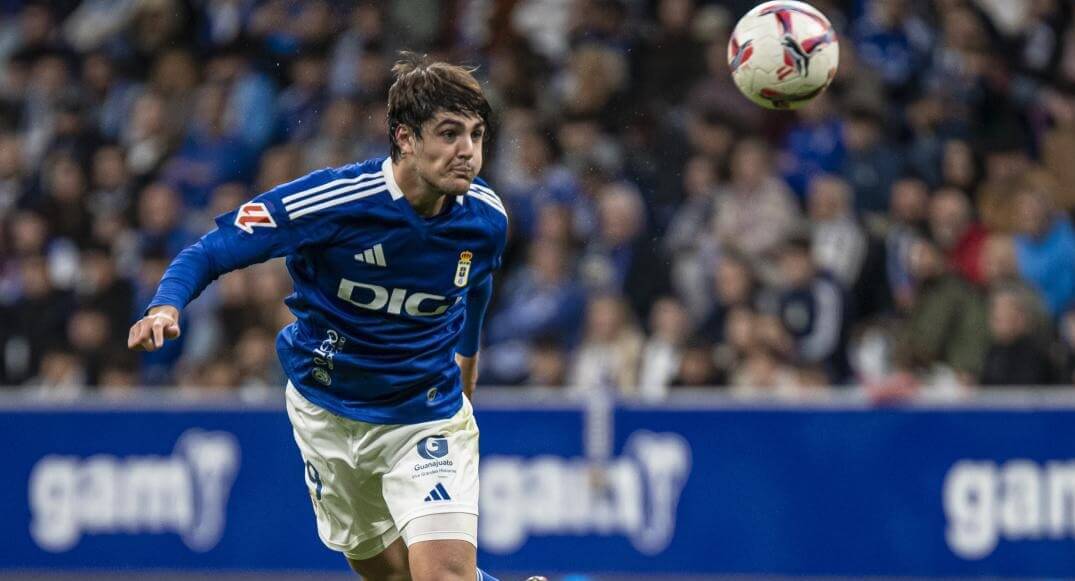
783	54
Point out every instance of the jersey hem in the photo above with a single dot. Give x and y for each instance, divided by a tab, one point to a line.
370	416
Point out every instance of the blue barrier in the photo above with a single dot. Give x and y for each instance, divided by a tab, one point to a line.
693	489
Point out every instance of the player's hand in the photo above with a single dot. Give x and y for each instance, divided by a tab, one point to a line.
150	333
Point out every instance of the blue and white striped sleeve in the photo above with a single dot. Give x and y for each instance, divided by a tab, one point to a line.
274	224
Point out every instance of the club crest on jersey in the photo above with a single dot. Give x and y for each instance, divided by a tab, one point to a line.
462	270
253	214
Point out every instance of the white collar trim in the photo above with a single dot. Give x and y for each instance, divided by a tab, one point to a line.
390	179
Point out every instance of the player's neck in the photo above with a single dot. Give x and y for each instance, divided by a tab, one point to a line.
426	201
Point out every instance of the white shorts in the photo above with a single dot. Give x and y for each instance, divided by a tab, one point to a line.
367	481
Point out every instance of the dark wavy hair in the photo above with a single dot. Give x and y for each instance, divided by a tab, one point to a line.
423	88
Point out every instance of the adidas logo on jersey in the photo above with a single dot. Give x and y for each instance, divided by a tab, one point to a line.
374	256
438	493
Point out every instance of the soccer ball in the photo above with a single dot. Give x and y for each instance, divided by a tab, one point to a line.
782	54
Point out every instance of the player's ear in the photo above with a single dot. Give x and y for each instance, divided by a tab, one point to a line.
405	139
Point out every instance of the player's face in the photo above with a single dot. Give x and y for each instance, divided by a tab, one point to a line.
449	154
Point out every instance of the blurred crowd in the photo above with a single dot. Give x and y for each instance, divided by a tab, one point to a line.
911	227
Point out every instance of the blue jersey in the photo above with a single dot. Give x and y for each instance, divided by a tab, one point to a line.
384	298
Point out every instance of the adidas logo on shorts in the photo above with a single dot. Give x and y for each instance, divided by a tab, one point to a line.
438	493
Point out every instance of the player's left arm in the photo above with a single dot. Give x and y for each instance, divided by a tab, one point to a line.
468	372
466	353
479	295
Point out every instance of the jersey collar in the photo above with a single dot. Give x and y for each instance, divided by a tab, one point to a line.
390	179
393	187
423	225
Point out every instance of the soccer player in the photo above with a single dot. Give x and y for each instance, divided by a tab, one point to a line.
392	264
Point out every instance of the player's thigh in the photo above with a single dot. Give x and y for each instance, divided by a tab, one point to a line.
446	560
390	565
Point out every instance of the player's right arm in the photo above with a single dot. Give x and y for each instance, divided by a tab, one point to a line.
255	232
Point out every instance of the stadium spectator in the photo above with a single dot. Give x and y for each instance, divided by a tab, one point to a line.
593	84
364	32
63	200
959	167
1006	163
662	353
156	26
174	76
814	145
673	56
218	376
958	236
741	335
1039	42
1066	348
149	136
35	323
254	356
88	334
95	23
697	366
101	289
61	375
621	257
301	104
212	152
160	212
47	89
763	373
715	91
999	263
540	301
925	148
336	143
946	324
71	134
1058	142
548	364
37	29
29	236
111	188
710	132
734	285
235	311
110	97
755	212
907	215
13	173
687	238
871	165
608	357
1045	248
531	174
893	40
1015	357
812	307
279	164
838	242
118	377
251	95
